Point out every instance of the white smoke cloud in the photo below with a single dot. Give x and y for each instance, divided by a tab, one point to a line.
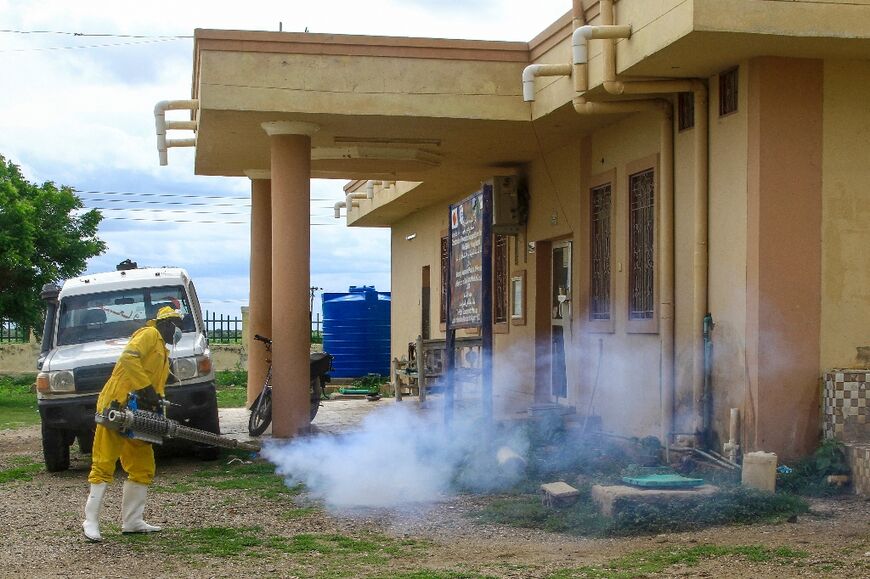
402	456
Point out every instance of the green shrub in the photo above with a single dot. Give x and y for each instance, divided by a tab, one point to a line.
371	382
735	505
808	476
738	505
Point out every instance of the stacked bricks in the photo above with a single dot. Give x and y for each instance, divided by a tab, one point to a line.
847	405
847	418
859	461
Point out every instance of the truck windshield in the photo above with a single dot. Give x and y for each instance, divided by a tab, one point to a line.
117	314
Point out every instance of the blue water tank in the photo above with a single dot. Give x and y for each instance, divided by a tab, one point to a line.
356	331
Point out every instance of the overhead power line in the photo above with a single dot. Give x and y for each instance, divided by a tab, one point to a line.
149	210
95	34
207	221
158	210
80	46
181	195
150	202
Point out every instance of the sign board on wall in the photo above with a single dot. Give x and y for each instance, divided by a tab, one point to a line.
468	236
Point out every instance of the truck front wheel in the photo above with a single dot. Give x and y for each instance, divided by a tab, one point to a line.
55	449
86	441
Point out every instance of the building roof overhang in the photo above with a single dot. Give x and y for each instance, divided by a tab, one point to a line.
440	115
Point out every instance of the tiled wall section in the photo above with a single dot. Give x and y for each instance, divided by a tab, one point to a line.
847	405
859	461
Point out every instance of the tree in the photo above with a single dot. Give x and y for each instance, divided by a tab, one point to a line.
43	239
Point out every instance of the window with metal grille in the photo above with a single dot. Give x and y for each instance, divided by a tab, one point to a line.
599	247
641	295
685	110
500	312
728	92
444	280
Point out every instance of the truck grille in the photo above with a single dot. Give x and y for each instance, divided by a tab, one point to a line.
93	378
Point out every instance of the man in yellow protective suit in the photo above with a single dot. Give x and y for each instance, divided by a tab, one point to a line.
142	368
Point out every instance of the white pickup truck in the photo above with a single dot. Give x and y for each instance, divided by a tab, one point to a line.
88	322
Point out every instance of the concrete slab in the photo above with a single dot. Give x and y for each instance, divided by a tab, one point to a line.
558	493
610	498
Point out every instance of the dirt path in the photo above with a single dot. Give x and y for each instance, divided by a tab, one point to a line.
267	531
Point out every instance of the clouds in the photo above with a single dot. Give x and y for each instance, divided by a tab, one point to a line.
83	117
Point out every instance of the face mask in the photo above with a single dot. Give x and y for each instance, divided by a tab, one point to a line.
169	332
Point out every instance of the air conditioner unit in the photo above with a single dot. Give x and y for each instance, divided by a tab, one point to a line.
508	213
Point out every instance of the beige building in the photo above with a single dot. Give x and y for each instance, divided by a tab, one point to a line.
680	157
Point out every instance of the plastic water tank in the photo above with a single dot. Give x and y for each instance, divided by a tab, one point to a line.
356	331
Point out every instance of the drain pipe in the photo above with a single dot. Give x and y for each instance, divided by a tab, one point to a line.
350	200
347	204
535	70
707	418
578	15
732	447
580	50
161	125
700	255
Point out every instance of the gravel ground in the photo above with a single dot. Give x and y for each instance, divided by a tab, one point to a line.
42	535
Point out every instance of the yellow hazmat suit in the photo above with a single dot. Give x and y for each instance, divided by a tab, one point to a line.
144	362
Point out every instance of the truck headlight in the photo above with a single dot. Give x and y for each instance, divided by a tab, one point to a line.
187	368
59	381
184	368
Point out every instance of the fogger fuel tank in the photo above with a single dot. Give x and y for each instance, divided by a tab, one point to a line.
356	331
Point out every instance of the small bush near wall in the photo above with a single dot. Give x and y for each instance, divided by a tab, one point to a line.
808	477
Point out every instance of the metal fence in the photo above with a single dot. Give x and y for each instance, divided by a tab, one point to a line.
10	333
222	329
226	329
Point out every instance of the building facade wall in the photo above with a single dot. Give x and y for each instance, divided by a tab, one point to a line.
784	260
846	216
728	251
409	256
787	251
629	378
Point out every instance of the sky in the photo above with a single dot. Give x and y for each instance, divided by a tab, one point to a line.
79	84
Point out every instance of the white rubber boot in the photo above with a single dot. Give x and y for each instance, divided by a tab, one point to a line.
91	524
132	507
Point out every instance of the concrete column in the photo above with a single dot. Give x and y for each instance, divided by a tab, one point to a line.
260	300
784	261
291	332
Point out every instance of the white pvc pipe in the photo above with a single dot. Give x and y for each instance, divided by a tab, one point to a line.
181	125
348	203
580	37
161	126
535	70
